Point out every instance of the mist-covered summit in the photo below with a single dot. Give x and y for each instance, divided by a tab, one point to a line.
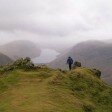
20	49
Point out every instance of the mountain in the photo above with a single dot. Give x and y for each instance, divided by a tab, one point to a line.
46	90
20	49
4	59
93	54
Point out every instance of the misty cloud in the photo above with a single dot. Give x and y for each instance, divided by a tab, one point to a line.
55	20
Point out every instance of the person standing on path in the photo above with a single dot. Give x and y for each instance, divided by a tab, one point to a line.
70	62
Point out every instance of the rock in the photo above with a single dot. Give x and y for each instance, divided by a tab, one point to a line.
77	64
42	66
22	63
97	72
29	65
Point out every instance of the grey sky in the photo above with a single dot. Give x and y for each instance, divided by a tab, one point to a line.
67	21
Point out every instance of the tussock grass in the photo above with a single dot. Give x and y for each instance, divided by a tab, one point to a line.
47	90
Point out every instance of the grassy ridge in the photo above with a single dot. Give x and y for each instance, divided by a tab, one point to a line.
47	90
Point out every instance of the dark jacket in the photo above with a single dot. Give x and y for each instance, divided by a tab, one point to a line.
69	60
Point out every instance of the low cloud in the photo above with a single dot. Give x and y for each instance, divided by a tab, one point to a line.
44	21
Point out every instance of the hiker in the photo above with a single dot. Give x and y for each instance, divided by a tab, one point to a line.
70	62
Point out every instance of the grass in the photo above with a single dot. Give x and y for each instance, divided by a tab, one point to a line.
47	90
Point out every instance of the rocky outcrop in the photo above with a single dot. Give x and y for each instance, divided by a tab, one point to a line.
77	64
97	72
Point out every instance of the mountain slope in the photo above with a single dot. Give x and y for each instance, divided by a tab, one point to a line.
4	59
93	54
20	48
47	90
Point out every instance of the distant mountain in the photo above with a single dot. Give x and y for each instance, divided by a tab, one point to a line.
21	48
109	41
4	59
93	54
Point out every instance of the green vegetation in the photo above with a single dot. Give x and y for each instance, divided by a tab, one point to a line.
22	63
41	89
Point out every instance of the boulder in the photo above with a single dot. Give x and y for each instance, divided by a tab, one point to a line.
97	72
77	64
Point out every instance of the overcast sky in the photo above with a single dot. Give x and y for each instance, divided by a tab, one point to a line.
62	21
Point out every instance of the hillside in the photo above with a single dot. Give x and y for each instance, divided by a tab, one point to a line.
46	90
20	48
4	59
92	54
